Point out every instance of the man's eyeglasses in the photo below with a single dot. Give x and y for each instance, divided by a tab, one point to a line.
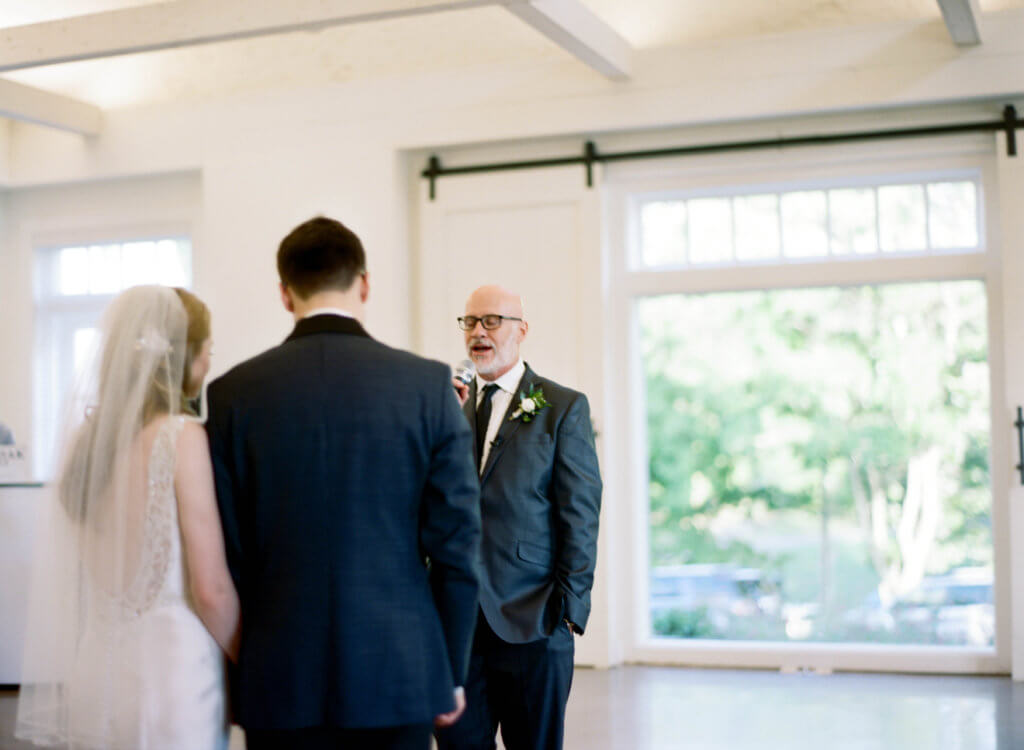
489	322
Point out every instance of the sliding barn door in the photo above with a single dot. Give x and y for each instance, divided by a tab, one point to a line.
536	232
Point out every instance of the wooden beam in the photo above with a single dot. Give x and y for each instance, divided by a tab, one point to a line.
575	28
961	17
189	22
28	104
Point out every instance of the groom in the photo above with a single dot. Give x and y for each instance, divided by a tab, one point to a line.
340	465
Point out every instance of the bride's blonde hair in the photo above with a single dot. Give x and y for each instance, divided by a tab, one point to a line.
198	332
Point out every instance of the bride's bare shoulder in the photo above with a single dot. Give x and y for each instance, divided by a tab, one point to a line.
193	448
192	432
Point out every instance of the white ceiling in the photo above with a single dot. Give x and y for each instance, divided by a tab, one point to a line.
433	42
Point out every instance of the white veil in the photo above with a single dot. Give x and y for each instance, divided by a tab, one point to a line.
97	564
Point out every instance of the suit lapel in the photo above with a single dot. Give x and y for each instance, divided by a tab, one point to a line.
509	427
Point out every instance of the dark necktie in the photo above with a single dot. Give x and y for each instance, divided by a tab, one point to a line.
483	419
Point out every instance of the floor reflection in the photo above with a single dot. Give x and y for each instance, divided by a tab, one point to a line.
658	708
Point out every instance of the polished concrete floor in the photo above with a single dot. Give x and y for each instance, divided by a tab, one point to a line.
656	708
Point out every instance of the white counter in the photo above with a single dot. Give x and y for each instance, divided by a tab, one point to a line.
18	506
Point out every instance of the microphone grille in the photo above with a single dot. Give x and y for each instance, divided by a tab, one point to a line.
465	371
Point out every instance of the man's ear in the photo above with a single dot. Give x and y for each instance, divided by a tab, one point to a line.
524	328
364	286
286	298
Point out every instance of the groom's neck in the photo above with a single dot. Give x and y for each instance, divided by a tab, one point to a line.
347	301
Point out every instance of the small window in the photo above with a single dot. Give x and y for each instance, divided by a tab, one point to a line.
843	221
757	227
75	284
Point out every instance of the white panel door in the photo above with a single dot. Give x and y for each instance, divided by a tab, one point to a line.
524	231
1010	565
536	232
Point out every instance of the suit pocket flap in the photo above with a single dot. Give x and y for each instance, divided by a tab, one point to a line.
534	553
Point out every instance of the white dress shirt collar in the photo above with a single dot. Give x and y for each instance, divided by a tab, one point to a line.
507	382
328	311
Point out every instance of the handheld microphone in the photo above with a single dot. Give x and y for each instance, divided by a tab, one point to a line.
465	371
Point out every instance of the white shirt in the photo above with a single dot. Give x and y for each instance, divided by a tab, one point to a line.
328	311
500	401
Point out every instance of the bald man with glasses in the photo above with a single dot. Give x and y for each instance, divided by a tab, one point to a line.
540	497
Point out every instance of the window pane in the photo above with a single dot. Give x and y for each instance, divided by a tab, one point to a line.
73	270
814	478
804	224
83	341
757	226
663	233
104	269
953	215
109	269
172	260
901	218
139	263
852	221
710	230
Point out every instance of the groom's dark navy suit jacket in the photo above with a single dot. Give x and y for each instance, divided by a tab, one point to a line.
340	464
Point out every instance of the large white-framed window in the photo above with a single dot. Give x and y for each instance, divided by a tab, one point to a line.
807	419
74	283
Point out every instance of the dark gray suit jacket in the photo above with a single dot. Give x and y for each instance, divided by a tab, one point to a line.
340	463
540	497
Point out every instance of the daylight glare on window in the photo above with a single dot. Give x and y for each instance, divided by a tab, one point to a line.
110	268
804	225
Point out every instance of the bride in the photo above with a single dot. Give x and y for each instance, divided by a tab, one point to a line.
132	608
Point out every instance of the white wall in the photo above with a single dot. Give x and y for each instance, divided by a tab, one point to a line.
5	150
18	527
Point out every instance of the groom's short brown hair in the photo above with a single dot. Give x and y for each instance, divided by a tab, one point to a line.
320	254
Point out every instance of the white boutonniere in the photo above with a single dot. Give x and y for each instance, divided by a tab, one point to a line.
530	405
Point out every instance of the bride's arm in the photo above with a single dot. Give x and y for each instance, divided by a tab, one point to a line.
213	592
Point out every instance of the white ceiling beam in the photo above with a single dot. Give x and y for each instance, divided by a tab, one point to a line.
188	22
575	28
28	104
961	17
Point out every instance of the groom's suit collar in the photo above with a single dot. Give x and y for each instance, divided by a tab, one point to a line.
327	323
508	427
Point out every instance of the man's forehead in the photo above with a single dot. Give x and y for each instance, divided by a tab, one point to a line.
497	301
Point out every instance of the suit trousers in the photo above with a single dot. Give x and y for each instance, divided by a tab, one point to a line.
411	737
520	687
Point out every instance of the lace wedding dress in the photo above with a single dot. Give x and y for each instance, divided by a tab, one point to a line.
115	656
166	688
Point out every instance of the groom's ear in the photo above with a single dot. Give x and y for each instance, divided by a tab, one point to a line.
364	286
286	298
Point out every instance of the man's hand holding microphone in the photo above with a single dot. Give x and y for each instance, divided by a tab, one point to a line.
462	376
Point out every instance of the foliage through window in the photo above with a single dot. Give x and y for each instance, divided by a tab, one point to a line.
819	463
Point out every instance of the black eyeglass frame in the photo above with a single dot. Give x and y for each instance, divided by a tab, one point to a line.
463	321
